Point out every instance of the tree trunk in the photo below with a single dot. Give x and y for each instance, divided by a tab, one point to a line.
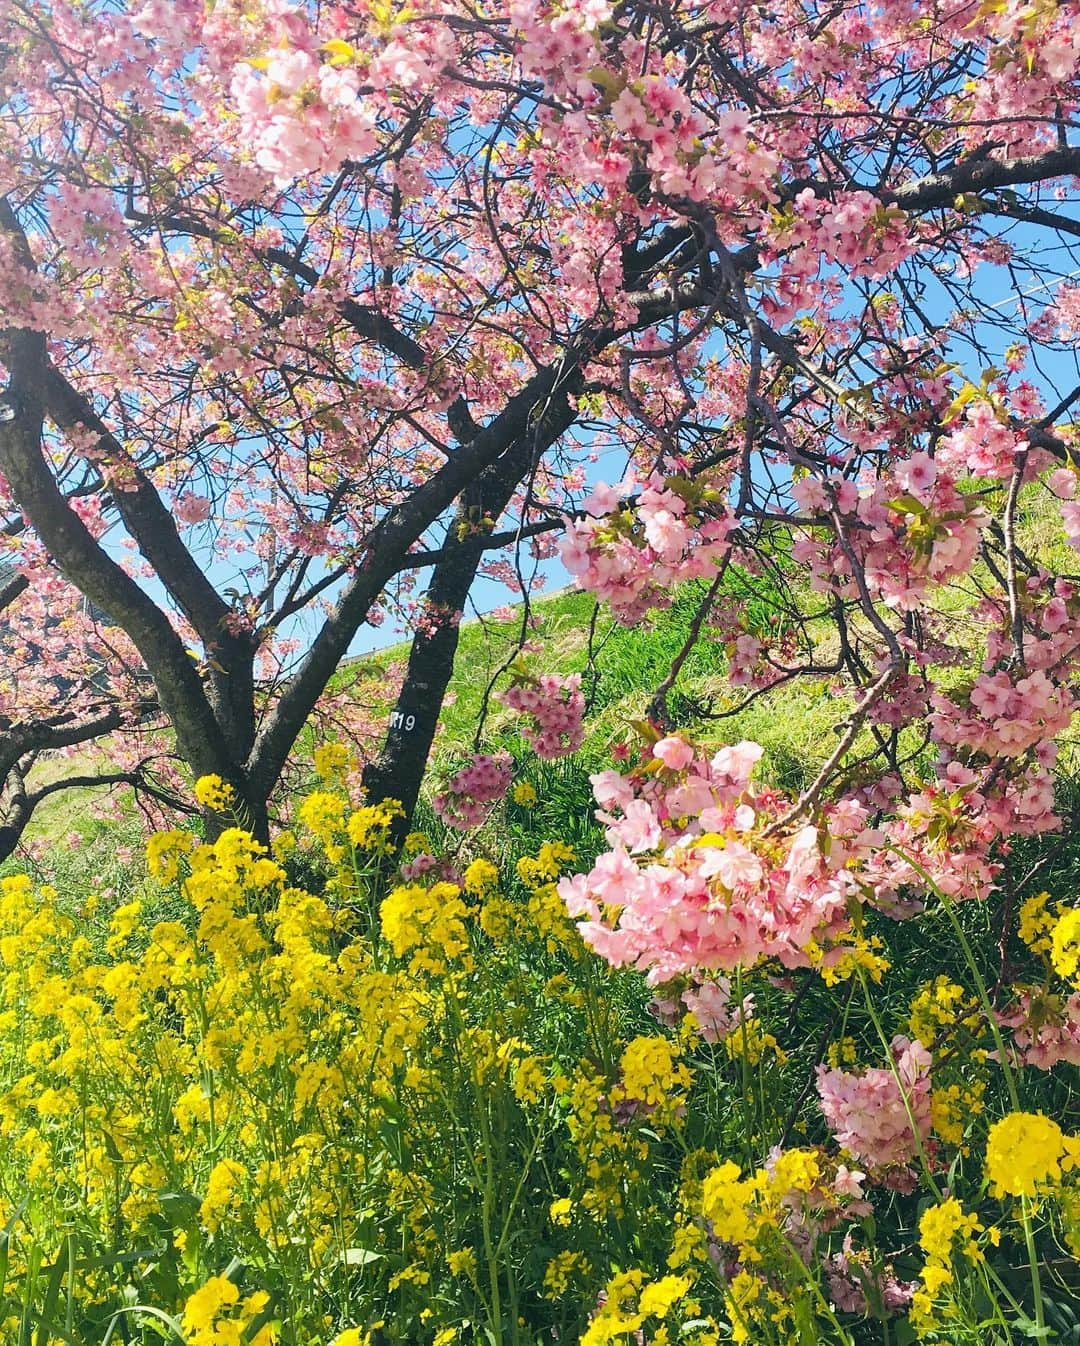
399	768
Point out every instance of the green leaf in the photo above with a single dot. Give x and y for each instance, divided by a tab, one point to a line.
360	1257
906	504
648	732
33	1263
1032	1330
57	1273
157	1317
904	1333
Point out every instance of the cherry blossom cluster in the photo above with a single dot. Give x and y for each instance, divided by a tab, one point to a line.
302	114
470	792
716	1014
695	881
943	832
856	230
631	556
872	1113
984	445
555	706
648	117
906	532
850	1274
1006	714
1062	485
1045	1028
1062	317
705	872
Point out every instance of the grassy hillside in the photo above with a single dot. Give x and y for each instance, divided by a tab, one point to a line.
621	669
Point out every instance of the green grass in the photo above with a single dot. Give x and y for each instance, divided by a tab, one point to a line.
621	667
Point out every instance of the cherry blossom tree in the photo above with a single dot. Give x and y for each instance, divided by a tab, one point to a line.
318	312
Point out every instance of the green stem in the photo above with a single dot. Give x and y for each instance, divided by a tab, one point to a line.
744	1072
1003	1058
980	984
1033	1263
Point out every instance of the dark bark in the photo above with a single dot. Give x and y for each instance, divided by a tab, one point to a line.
535	417
22	802
230	672
399	769
982	175
93	571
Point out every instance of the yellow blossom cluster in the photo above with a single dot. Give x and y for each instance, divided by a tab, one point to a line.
947	1235
652	1075
940	1009
243	1072
332	762
428	923
1026	1152
215	794
412	1108
630	1301
1052	932
1065	945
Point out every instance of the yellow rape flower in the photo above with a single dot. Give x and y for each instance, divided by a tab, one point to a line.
656	1299
427	922
1065	944
945	1229
1036	922
743	1294
323	814
205	1305
369	828
546	865
529	1080
331	760
214	793
650	1073
191	1107
163	853
749	1041
728	1202
796	1171
410	1275
953	1105
940	1006
561	1271
846	956
481	877
222	1192
561	1210
842	1052
1023	1154
548	920
619	1314
123	924
462	1262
